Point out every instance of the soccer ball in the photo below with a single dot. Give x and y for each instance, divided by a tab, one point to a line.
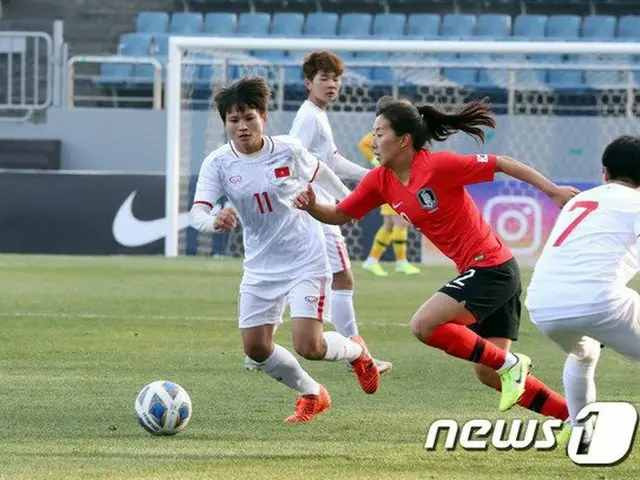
163	408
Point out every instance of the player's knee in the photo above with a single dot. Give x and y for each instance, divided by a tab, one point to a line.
257	352
421	328
310	348
342	280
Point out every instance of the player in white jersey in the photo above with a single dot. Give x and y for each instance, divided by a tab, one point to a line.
285	257
322	77
578	295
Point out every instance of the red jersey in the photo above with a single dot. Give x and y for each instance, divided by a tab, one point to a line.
436	203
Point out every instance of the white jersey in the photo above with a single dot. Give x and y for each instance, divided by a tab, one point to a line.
280	242
590	256
311	126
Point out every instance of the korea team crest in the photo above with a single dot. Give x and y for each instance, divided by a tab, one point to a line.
427	199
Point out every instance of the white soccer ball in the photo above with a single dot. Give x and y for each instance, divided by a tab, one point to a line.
163	408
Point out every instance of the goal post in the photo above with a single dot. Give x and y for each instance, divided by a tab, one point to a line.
185	50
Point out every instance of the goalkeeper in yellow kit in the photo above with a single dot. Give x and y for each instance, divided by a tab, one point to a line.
394	229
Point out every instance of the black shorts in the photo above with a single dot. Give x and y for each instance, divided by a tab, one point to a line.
492	295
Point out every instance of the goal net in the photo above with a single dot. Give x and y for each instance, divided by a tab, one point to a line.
557	105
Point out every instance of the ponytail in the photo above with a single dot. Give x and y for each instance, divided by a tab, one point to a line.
438	125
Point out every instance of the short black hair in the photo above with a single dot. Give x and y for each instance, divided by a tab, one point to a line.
621	158
245	93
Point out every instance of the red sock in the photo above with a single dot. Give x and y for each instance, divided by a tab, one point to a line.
458	341
541	399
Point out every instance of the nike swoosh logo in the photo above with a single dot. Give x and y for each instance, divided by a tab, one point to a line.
132	232
519	379
396	205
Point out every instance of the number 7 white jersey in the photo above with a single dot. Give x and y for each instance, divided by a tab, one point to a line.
280	242
590	255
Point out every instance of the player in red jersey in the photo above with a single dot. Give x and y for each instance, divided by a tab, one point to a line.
428	189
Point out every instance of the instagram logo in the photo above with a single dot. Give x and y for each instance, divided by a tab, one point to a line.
517	220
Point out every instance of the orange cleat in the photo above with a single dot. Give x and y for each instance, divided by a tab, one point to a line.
365	368
308	406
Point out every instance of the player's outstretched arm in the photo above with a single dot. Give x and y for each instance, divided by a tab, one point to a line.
559	194
330	182
345	168
330	214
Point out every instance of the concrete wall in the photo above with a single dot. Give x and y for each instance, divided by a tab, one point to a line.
564	148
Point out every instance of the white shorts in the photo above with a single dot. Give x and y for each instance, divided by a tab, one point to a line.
618	329
307	298
337	253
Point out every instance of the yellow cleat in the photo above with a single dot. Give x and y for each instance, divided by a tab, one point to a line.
375	268
513	381
406	268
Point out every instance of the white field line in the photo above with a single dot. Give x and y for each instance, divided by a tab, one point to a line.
212	318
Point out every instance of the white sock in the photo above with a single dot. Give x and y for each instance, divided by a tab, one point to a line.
371	260
284	367
340	348
509	362
343	315
402	262
580	385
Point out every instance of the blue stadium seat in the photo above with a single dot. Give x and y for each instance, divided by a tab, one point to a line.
355	25
494	77
134	44
186	23
321	24
493	25
152	22
378	74
253	24
158	49
425	25
458	25
389	25
461	76
287	24
530	26
531	78
425	71
599	27
566	79
604	78
629	27
293	74
221	24
564	26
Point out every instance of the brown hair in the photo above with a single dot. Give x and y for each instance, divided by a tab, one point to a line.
245	93
322	61
426	123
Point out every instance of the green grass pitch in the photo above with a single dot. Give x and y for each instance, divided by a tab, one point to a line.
80	336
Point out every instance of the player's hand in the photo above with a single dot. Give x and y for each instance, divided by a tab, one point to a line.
563	194
305	200
226	220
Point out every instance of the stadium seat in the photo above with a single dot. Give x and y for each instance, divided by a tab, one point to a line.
458	25
493	25
186	23
566	79
599	27
530	78
378	74
421	74
605	78
423	25
134	44
152	22
158	49
389	25
629	27
355	25
530	26
461	76
563	26
287	24
494	77
253	24
220	24
320	24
